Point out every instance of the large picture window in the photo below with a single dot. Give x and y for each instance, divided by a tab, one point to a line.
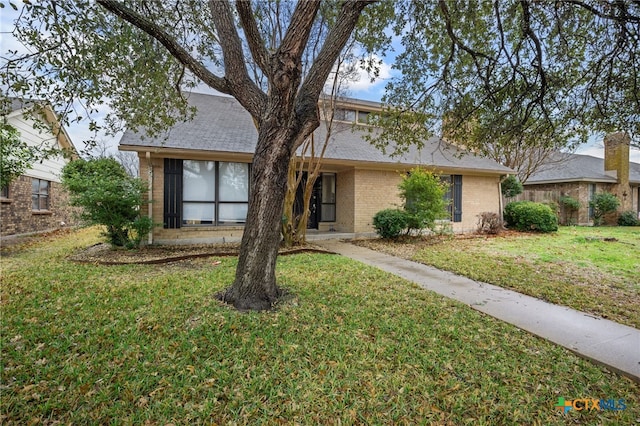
39	194
214	193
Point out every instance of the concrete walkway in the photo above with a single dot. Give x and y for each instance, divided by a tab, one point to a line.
606	342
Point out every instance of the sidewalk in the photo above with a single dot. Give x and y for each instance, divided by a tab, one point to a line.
606	342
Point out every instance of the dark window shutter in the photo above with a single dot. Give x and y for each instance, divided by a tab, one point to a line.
172	193
457	198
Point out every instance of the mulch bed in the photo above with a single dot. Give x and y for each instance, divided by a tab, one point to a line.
104	254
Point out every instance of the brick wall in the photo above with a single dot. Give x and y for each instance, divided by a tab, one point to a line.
479	194
375	190
552	193
17	216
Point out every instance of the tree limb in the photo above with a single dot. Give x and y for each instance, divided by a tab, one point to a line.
169	42
254	39
236	75
333	45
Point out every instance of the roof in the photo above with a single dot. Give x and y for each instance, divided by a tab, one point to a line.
579	168
223	125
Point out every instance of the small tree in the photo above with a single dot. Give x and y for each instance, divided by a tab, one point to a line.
602	204
423	193
511	186
109	197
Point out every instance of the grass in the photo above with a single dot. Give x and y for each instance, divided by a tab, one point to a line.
575	267
88	344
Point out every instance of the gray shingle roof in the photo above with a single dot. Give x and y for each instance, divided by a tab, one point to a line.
222	125
578	167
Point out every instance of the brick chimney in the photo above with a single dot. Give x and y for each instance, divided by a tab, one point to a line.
616	164
616	156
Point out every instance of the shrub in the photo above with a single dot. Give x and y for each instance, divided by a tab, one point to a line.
511	186
490	223
602	204
628	218
530	216
570	205
423	195
390	223
110	197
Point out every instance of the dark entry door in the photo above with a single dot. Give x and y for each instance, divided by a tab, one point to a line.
314	202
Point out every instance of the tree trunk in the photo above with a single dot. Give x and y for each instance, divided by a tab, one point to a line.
255	286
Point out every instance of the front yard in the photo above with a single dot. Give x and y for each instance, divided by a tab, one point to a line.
148	344
595	270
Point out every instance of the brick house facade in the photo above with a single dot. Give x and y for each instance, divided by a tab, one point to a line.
582	176
19	217
36	201
198	175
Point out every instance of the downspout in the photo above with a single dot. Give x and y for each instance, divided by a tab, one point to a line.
150	194
500	197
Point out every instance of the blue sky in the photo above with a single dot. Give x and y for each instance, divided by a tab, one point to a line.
361	89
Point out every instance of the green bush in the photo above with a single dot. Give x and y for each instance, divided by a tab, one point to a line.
110	197
571	206
390	223
628	218
602	204
423	196
530	216
511	186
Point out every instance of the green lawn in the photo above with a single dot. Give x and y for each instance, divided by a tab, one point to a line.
574	267
87	344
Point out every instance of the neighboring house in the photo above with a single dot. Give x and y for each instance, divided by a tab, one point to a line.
582	176
199	174
35	201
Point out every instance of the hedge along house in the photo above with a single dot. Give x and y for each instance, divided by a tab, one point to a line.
582	176
198	174
36	201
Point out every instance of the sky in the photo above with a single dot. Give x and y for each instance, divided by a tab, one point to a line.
363	88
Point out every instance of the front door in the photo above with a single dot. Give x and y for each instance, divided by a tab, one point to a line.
314	202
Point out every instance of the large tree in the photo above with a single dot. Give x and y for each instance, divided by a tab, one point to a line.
506	65
141	54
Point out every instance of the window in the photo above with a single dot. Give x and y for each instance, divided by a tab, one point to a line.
214	193
342	114
4	192
39	194
328	199
199	193
454	196
363	117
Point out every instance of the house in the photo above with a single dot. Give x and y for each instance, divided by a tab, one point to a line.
198	174
35	201
582	176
